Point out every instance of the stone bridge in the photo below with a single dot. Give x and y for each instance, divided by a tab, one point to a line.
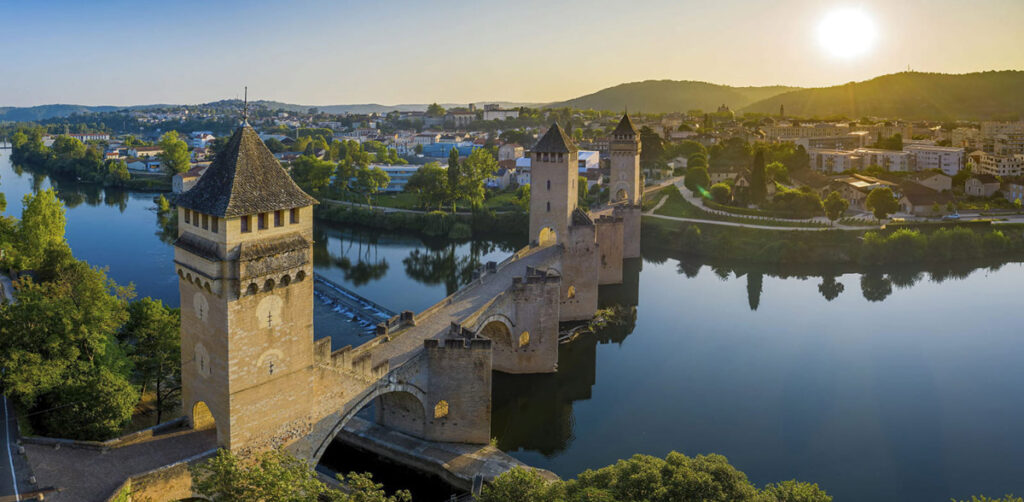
429	373
250	365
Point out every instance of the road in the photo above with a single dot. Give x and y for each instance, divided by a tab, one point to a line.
14	466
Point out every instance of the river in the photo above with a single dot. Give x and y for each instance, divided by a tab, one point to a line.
885	387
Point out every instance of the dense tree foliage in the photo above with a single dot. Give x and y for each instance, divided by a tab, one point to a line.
175	156
643	478
67	157
65	364
277	476
881	202
151	337
430	184
697	179
835	205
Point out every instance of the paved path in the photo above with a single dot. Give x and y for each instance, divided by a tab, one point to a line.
696	202
86	475
14	470
436	321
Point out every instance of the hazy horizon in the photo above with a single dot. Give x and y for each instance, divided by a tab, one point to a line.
314	53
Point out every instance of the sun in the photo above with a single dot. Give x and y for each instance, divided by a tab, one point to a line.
847	33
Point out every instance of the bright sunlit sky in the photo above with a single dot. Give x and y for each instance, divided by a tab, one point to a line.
390	52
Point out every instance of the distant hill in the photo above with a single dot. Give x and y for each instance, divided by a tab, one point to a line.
911	96
662	96
41	112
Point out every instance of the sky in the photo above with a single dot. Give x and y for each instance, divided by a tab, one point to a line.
102	52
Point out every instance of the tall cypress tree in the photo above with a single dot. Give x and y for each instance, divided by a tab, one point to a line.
758	190
453	176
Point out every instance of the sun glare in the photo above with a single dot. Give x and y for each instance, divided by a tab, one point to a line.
846	33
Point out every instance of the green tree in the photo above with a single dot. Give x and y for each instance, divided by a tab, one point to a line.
830	288
776	171
692	241
479	166
313	173
721	193
794	491
277	476
697	179
175	154
453	176
430	183
418	149
835	205
758	179
152	333
93	405
41	227
653	151
881	202
435	110
370	180
520	485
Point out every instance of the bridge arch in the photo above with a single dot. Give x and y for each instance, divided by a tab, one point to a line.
547	236
382	388
498	328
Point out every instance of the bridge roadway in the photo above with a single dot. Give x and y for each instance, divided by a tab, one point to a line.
436	321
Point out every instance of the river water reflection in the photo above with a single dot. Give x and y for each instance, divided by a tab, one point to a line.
879	386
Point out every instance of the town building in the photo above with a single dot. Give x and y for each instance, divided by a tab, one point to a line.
144	151
510	151
936	181
494	112
920	200
398	175
998	165
849	141
183	182
982	185
145	165
1013	190
943	158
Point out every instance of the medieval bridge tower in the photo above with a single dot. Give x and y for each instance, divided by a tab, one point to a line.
245	265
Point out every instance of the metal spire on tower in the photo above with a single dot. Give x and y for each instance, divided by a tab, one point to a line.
245	106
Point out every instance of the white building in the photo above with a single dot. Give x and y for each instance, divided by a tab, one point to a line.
837	161
523	171
947	159
399	175
494	112
1000	165
589	159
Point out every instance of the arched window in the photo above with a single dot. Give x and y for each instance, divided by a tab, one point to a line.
549	207
252	289
549	184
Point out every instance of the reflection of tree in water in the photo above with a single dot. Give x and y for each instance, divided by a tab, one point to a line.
875	286
444	266
363	248
830	288
755	285
115	197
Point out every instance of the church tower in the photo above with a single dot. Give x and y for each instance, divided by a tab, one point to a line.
553	186
625	160
244	261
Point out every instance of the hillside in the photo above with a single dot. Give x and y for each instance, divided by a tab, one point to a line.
909	95
41	112
662	96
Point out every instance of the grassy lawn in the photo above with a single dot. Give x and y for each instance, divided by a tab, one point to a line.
678	206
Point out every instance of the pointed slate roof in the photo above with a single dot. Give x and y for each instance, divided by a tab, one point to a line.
555	141
625	126
244	178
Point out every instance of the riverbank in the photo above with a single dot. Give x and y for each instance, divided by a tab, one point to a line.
910	244
459	227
